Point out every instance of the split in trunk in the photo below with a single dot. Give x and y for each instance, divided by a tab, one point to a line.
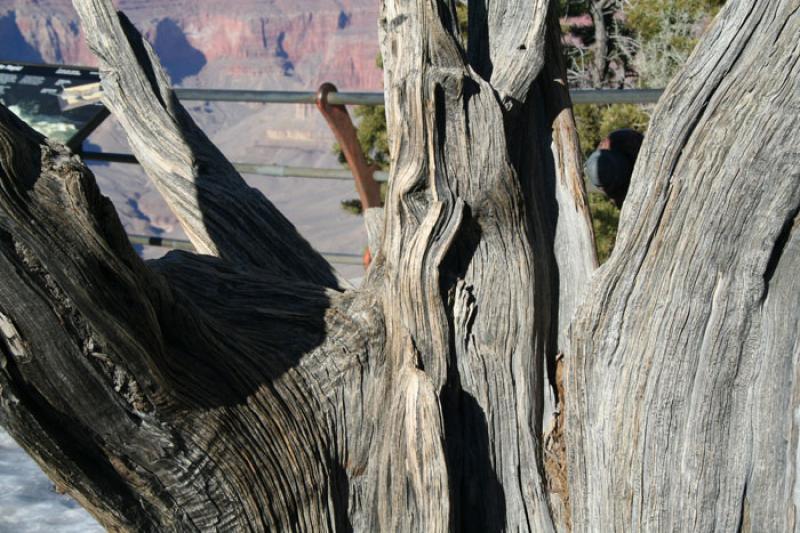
248	389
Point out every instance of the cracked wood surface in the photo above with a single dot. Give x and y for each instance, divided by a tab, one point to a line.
238	392
471	246
182	395
244	392
683	385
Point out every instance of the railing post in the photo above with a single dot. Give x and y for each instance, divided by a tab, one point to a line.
75	143
338	119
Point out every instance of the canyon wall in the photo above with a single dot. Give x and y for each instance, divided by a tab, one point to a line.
279	44
237	44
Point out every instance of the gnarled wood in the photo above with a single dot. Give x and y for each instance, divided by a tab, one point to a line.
232	394
470	248
683	384
506	45
250	399
187	395
242	393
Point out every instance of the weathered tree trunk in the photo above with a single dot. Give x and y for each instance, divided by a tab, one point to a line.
188	394
683	375
599	66
245	390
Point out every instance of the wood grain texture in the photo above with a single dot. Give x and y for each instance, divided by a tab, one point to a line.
240	391
472	233
243	392
373	223
187	394
506	44
683	384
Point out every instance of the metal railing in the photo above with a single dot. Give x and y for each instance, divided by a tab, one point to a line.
275	171
81	87
579	96
181	244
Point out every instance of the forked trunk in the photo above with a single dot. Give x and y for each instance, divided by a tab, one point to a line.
250	390
247	392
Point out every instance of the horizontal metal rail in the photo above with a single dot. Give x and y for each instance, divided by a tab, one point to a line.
275	171
579	96
91	93
615	96
78	96
180	244
276	97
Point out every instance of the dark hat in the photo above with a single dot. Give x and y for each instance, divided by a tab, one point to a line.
609	170
626	141
611	165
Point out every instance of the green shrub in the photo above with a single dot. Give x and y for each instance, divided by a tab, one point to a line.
371	130
352	206
650	17
605	218
595	122
667	32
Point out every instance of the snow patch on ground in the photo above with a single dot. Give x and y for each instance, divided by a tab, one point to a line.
28	503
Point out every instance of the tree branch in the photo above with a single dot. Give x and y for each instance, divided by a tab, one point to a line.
506	44
683	383
194	396
74	296
221	215
600	47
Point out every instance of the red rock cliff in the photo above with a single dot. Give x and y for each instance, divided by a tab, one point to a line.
289	44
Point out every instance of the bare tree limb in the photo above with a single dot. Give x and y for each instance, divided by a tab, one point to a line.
194	396
597	8
506	39
219	212
202	393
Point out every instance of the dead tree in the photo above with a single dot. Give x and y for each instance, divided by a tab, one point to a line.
683	384
247	388
598	9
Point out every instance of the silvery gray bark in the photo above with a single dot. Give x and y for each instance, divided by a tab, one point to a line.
683	385
246	390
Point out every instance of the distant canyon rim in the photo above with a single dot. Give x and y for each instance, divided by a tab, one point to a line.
239	44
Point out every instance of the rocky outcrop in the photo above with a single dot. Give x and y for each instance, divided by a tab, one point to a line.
15	41
34	32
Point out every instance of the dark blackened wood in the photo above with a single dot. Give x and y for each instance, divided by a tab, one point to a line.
243	392
238	395
187	395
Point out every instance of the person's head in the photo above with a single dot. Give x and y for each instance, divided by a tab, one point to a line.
610	167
